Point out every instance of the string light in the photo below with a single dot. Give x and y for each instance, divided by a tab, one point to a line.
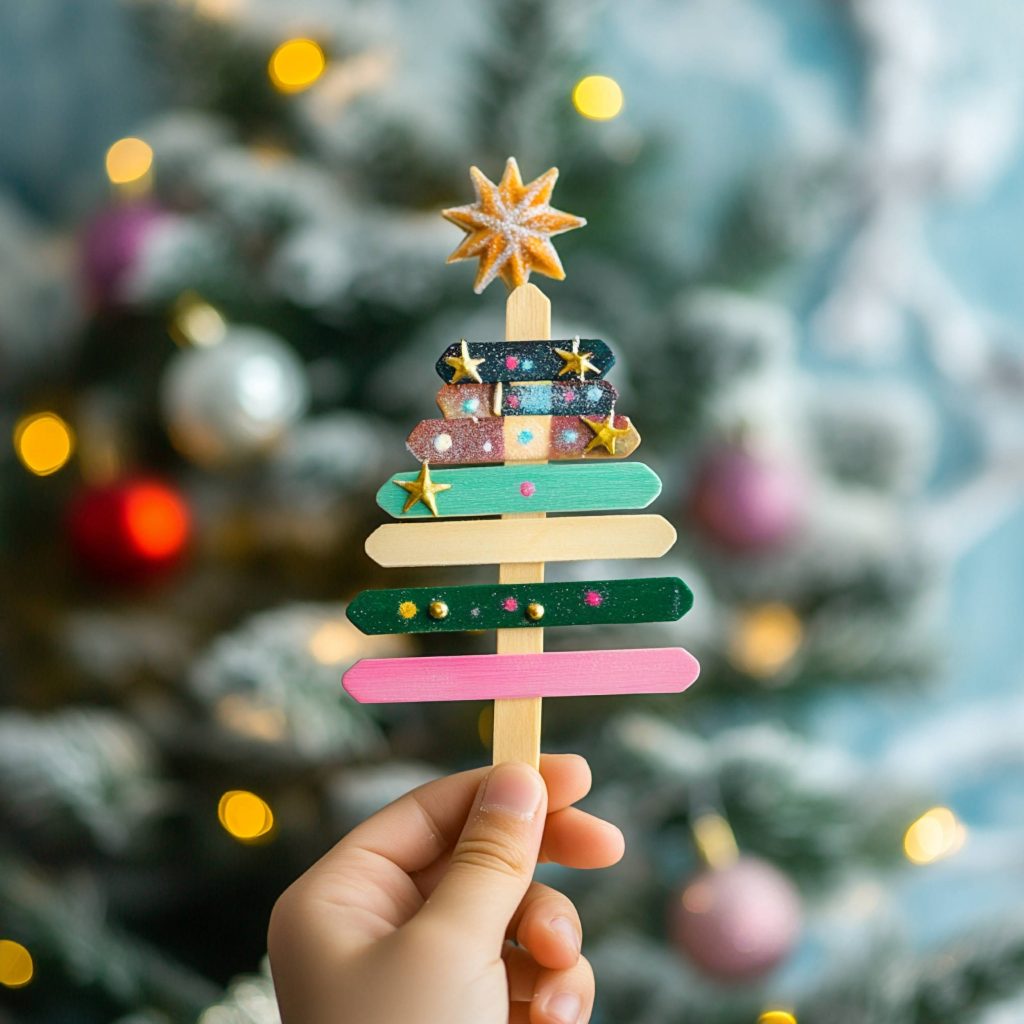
597	97
156	520
765	640
16	967
485	725
43	442
128	160
195	322
244	815
334	642
296	64
936	834
776	1017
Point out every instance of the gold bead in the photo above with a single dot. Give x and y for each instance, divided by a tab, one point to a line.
438	610
535	611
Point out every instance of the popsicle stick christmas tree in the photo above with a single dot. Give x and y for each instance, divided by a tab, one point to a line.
543	410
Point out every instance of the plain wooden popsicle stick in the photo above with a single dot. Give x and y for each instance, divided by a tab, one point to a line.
517	720
520	538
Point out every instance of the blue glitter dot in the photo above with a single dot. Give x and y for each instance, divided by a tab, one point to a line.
470	404
527	364
570	435
594	393
525	436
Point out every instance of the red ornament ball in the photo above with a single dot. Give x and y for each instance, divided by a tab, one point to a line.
132	531
736	923
111	245
745	502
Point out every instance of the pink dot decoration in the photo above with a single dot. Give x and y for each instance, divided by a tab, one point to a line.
510	604
511	362
527	489
512	401
593	598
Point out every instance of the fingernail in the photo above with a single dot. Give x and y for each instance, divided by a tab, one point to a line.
514	788
564	927
564	1007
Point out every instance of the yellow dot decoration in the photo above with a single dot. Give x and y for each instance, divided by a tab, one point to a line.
407	609
776	1017
245	815
43	442
936	834
765	639
128	160
598	97
296	64
16	967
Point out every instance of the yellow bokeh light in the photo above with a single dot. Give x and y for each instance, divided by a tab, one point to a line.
128	160
597	97
765	640
44	442
245	815
16	967
195	322
776	1017
296	64
334	642
936	834
485	725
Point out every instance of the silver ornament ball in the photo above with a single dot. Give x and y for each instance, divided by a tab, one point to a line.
234	399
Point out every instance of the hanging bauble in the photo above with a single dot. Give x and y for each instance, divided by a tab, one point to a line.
234	399
737	922
745	501
111	246
132	531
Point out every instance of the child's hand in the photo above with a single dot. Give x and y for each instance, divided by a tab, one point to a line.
408	920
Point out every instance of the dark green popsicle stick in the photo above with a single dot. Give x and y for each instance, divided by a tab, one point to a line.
554	487
507	606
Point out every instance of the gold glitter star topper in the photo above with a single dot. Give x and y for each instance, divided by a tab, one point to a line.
509	227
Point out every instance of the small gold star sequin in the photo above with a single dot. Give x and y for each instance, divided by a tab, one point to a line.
438	610
535	611
464	366
422	489
576	361
605	433
509	227
407	609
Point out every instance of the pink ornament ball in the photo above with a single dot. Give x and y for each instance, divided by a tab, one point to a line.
111	245
737	923
746	502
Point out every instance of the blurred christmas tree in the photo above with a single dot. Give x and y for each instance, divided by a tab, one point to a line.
262	298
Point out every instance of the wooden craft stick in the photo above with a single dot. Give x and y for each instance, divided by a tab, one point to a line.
554	487
481	401
519	439
449	609
487	362
520	540
521	677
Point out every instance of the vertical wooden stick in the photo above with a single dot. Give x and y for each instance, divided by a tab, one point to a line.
517	721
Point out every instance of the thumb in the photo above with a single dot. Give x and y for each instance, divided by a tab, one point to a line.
493	860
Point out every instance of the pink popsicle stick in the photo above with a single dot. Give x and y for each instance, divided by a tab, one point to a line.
553	674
